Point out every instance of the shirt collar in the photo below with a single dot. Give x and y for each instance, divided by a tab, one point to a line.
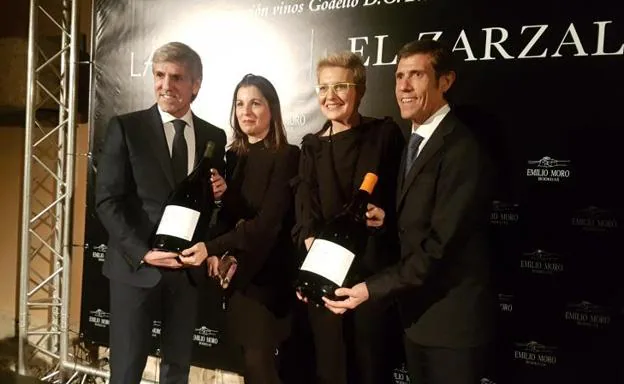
167	117
427	128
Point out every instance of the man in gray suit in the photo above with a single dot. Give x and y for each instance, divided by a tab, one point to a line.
442	282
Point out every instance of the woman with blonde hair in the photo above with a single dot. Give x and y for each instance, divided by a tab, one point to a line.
334	160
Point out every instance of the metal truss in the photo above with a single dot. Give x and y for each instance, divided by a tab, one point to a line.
47	200
49	150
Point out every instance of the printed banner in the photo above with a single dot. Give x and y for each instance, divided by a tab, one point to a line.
539	82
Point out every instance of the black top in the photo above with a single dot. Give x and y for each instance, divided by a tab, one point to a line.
258	217
333	167
336	189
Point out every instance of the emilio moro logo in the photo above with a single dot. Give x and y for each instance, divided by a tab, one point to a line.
401	375
99	252
586	314
206	337
99	318
504	213
534	353
548	169
594	219
542	262
505	302
485	380
295	120
156	327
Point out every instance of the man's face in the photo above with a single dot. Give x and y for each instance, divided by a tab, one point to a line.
174	87
418	92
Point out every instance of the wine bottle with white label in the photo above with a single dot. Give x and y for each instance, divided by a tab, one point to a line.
188	208
335	247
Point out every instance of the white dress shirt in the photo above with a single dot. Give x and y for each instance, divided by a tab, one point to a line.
427	128
189	134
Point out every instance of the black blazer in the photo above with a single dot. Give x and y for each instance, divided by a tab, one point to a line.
134	179
443	207
257	216
379	151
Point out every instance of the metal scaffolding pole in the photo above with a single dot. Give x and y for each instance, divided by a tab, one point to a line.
46	227
49	150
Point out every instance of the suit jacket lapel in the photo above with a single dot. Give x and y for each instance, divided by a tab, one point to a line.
433	145
159	143
200	140
400	175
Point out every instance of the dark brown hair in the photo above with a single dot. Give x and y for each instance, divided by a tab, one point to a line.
276	138
441	57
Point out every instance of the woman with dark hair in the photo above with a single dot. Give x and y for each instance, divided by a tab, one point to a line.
349	349
257	210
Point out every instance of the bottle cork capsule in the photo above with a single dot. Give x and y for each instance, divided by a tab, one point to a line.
370	179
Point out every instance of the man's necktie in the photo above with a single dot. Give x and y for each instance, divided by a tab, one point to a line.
179	153
412	151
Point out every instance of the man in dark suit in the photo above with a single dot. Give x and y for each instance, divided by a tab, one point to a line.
443	204
144	156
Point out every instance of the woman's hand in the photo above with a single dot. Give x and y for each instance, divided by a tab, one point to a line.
227	269
212	264
219	185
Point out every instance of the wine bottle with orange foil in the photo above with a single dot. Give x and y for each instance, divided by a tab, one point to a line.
334	249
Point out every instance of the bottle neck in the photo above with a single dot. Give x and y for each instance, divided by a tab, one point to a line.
202	169
357	206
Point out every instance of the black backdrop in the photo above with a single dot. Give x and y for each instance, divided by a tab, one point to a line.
539	81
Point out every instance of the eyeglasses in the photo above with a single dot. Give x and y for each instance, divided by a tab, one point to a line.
337	88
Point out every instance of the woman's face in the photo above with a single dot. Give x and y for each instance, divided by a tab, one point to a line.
337	95
253	113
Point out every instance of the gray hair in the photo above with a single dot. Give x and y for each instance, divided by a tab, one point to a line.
179	53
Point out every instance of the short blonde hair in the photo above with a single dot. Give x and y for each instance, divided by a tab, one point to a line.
347	60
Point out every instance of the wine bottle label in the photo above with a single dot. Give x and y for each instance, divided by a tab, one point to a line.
329	260
179	222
